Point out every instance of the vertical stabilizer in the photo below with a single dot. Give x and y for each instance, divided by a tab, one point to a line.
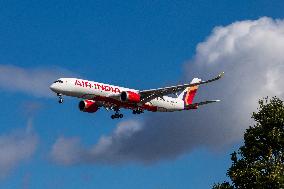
189	93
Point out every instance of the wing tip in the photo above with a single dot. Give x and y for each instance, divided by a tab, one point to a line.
221	74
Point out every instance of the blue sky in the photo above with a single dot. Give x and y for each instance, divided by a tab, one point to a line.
134	44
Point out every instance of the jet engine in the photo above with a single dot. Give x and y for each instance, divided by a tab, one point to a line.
129	96
88	106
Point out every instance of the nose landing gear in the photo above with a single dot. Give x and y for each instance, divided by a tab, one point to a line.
60	98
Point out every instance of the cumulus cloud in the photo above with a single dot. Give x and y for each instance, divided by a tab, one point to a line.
16	147
34	81
68	151
251	54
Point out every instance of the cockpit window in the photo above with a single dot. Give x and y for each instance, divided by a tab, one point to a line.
58	81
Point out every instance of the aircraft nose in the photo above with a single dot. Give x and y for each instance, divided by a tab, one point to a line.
53	87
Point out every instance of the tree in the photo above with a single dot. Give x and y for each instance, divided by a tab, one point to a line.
259	163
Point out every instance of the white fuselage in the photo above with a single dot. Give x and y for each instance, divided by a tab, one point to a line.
106	95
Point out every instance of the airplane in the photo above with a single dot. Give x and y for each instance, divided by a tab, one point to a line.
95	95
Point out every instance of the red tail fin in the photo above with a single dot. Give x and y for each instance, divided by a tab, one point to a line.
189	93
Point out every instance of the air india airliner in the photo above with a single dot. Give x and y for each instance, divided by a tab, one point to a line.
96	95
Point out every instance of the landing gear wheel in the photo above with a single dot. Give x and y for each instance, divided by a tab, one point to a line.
138	111
116	115
60	100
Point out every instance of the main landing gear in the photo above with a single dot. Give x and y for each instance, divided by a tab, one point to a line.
60	98
138	111
117	114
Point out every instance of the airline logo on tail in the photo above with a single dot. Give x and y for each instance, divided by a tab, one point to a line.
190	92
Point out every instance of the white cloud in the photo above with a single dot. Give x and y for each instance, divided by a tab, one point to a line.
35	81
67	151
16	147
251	54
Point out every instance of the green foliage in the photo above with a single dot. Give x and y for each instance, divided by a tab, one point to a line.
224	185
259	163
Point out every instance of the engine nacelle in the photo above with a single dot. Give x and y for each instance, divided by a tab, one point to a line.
129	96
88	106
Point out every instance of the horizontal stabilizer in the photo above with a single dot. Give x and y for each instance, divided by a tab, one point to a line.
195	105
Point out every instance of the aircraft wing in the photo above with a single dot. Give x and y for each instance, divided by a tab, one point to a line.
148	95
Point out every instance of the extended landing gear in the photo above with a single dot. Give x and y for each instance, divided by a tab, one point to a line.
60	98
114	116
117	114
138	111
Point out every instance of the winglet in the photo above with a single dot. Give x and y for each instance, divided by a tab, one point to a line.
221	75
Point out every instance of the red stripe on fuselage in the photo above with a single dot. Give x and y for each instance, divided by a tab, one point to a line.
127	105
